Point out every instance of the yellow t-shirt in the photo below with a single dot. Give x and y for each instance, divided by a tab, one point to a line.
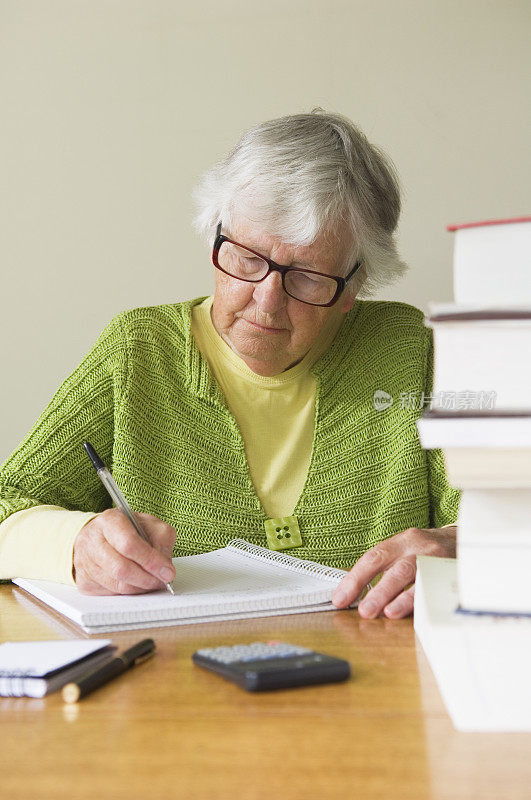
276	416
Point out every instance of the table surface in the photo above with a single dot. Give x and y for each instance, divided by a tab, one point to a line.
170	729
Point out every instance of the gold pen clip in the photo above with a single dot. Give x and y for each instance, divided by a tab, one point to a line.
145	657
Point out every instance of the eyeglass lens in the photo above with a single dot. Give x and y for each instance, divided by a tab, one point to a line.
305	286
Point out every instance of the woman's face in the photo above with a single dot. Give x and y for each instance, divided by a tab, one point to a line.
267	328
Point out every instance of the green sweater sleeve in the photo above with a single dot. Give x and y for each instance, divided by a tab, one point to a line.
444	498
50	466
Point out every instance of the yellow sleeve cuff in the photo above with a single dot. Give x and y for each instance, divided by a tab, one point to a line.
38	543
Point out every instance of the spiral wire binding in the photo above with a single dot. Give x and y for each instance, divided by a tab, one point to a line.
284	560
12	683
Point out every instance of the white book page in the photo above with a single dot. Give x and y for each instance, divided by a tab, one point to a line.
481	663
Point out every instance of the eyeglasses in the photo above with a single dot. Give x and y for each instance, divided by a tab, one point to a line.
308	286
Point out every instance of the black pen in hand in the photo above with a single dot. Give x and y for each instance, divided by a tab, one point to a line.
116	495
73	692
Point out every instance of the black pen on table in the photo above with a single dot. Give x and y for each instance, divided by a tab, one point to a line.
110	484
72	692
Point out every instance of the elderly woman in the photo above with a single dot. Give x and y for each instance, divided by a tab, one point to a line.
253	413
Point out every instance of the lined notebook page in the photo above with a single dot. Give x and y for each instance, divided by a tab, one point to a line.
228	571
235	579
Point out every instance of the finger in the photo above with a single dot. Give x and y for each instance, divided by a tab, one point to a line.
161	535
93	589
371	563
88	586
402	606
115	574
393	582
88	548
123	538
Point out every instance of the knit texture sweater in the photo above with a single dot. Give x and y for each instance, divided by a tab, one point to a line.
146	399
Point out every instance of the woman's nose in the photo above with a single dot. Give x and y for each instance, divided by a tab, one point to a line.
269	294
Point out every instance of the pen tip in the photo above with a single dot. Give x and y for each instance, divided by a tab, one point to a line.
170	588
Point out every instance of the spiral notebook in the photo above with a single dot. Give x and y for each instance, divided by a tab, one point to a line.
34	669
239	581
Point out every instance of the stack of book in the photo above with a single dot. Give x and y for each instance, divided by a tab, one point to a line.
480	415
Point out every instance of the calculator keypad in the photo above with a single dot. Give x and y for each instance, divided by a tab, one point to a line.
256	651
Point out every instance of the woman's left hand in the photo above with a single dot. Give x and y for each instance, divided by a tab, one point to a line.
396	559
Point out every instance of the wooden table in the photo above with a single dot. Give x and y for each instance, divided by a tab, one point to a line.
171	730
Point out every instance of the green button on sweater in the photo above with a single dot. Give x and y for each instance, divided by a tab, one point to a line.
144	396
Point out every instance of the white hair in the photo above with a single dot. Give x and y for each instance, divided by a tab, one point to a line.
301	175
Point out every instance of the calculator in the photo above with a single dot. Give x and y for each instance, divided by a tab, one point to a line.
262	666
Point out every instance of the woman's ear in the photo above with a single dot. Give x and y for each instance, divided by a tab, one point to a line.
346	303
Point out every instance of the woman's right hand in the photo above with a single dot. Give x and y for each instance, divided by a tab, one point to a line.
111	558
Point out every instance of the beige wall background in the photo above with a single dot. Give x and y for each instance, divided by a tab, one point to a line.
111	109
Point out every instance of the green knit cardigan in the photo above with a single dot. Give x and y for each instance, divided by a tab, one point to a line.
145	397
